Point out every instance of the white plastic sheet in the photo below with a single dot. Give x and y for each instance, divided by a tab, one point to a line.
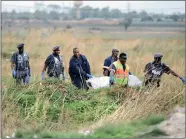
98	82
134	81
101	82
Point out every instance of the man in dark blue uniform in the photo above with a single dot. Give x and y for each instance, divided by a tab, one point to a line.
154	70
20	65
54	63
109	60
79	69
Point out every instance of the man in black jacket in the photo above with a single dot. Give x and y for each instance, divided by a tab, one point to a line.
79	69
54	64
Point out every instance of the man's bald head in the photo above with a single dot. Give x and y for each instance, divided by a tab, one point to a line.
115	52
76	52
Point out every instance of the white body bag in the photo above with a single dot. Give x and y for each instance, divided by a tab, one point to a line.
102	82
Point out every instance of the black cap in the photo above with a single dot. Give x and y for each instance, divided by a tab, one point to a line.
55	48
158	55
20	45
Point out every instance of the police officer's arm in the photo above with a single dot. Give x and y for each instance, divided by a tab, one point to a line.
12	65
44	68
175	74
147	68
47	62
170	71
88	66
62	64
87	70
28	63
13	61
106	67
112	71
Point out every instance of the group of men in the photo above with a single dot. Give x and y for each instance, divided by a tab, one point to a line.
118	71
79	68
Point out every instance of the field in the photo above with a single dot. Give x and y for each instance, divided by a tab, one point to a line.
140	43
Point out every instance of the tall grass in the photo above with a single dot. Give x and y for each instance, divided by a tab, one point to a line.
59	106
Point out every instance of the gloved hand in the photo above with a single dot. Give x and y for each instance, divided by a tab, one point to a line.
13	73
89	76
111	81
183	80
43	76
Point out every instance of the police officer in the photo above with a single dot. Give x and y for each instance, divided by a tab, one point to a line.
54	64
20	65
109	60
154	70
79	69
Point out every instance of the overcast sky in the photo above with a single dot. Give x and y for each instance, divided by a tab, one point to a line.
150	6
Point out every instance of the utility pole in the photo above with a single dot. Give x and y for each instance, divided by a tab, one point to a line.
128	7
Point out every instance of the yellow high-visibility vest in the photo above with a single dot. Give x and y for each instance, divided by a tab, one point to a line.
121	76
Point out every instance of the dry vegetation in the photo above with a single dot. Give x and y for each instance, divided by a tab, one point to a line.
39	43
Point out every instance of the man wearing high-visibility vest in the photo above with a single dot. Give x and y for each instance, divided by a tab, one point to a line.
120	71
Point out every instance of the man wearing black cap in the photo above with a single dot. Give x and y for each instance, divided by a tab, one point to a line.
79	69
120	71
20	65
154	70
109	60
54	64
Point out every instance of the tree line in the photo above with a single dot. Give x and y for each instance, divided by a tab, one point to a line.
87	12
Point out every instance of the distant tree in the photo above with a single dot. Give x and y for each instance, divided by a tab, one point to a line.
133	14
54	15
143	14
96	12
13	15
6	15
54	7
72	13
105	12
159	20
86	12
24	16
157	16
115	13
174	17
147	18
40	15
126	23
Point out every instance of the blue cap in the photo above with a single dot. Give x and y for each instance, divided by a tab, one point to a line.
158	55
55	48
20	45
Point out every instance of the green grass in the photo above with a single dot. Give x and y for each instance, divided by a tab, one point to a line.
122	130
57	102
65	107
153	133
